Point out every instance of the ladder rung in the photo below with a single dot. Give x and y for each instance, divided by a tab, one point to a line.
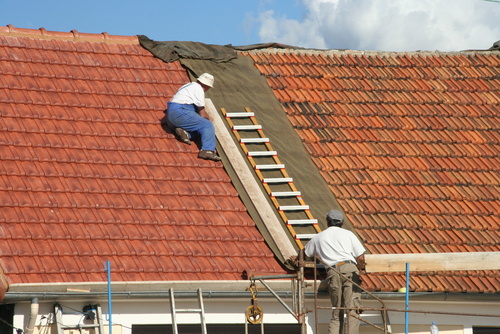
239	114
276	166
262	153
293	207
285	193
188	310
304	236
247	127
254	140
80	326
302	221
277	180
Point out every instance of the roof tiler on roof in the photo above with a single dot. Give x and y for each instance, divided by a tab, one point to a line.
409	145
393	135
88	175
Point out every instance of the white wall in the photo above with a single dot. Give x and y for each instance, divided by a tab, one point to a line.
136	312
157	311
460	323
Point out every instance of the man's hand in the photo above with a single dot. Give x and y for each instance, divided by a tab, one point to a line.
203	113
361	264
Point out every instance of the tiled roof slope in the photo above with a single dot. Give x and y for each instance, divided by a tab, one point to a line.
409	145
87	175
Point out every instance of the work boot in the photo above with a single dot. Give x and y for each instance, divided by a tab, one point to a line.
183	135
208	155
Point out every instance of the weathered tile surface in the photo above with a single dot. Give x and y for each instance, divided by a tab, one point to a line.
409	145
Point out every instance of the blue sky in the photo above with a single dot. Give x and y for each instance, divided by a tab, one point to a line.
213	22
385	25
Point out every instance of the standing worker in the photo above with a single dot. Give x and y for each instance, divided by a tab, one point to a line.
341	250
186	113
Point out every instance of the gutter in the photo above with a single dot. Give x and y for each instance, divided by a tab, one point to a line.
435	296
12	297
124	290
25	296
144	290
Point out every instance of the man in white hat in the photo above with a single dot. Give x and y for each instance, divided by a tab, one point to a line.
341	250
186	113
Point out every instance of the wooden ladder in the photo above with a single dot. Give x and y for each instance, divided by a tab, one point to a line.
273	175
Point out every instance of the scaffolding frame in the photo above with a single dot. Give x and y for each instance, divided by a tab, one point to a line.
298	284
299	310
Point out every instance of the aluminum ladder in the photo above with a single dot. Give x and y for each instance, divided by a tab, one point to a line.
95	322
273	175
174	311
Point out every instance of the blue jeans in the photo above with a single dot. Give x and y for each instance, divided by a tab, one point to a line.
185	116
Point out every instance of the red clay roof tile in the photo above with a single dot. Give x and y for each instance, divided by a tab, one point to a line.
88	175
428	132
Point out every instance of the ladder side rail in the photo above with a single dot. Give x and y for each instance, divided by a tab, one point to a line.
96	323
262	168
99	320
58	316
173	311
202	312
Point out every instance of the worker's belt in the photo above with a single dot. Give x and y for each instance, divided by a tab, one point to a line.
336	265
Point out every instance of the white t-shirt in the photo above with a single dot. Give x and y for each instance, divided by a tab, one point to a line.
334	245
190	93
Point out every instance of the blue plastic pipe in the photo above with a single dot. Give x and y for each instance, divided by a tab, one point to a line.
407	299
107	266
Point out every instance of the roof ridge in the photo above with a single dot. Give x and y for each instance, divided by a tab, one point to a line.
349	52
73	35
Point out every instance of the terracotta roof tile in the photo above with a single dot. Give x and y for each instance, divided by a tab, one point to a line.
88	175
408	144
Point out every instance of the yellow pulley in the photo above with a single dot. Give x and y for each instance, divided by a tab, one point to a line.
254	312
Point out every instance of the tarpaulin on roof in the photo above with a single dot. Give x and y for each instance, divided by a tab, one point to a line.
172	51
238	84
258	46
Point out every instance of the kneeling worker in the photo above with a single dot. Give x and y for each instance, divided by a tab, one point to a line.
186	113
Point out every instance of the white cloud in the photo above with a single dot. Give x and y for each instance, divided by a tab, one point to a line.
283	30
388	25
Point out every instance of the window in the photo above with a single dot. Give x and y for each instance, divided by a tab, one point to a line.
218	328
7	318
485	330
